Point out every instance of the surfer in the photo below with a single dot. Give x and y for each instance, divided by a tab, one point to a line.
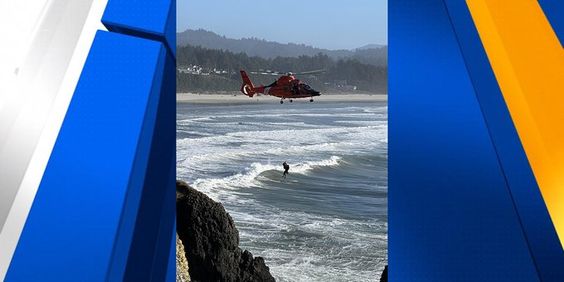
286	168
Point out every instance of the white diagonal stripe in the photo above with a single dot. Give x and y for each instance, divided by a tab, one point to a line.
33	113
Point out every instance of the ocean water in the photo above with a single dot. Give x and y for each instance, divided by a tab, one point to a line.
327	221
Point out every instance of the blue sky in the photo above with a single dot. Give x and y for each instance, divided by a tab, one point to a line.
327	24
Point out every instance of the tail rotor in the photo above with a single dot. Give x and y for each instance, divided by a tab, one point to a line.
248	88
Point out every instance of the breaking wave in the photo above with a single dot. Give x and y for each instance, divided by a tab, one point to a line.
250	175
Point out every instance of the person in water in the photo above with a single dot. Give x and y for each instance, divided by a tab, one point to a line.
286	168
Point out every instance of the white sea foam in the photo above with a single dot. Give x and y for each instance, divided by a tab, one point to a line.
344	240
278	114
360	122
192	120
192	151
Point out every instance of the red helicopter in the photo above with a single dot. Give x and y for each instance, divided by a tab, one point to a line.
285	87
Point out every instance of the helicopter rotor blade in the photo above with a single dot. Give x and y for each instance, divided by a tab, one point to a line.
266	73
311	72
284	73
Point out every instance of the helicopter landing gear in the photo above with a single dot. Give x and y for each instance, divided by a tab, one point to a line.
291	100
281	101
311	100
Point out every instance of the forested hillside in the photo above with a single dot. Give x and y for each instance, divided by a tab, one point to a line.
206	70
370	54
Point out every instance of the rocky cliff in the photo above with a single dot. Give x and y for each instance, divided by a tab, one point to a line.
182	268
211	240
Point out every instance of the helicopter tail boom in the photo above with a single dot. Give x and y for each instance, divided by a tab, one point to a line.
248	88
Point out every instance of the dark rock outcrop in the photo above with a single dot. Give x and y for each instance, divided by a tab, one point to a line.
211	240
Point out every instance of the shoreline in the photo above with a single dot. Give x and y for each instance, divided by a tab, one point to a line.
194	98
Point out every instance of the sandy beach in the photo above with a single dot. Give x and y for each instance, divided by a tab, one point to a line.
242	99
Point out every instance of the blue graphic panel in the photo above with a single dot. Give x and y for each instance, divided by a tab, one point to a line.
154	19
540	233
83	218
171	270
451	215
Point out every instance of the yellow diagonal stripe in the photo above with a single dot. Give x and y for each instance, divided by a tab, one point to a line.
528	62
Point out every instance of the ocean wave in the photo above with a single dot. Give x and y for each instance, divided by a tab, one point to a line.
253	152
253	144
297	237
192	120
294	114
326	221
360	122
290	136
247	178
